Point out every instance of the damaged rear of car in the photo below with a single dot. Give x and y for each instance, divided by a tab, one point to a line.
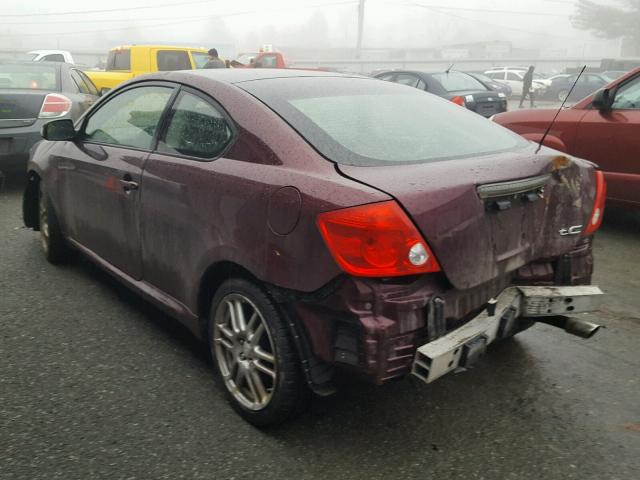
481	237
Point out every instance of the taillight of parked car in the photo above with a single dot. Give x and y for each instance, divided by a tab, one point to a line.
376	240
54	106
458	100
598	204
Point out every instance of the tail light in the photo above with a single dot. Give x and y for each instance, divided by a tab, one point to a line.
376	240
458	100
598	204
54	106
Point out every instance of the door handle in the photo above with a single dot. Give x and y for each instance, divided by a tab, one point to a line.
128	185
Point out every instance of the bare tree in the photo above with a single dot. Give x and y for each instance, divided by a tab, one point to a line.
610	21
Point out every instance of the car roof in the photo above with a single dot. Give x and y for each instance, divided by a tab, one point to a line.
29	62
238	75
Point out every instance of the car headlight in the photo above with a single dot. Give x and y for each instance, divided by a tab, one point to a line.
501	95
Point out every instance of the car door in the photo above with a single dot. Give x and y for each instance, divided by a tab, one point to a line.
184	203
101	174
514	80
610	138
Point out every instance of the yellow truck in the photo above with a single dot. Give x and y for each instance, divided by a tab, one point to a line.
129	61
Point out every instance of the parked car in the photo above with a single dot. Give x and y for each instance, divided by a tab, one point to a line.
492	84
129	61
303	222
587	84
32	94
602	128
63	56
514	78
459	87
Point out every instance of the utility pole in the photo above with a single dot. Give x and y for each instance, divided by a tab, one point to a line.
360	27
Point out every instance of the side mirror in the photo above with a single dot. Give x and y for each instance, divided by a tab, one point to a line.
602	100
58	130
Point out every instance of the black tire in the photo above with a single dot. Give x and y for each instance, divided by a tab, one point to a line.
55	248
288	391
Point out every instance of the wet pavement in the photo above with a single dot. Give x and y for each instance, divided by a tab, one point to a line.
95	383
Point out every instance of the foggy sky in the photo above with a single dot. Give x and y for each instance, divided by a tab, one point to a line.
248	24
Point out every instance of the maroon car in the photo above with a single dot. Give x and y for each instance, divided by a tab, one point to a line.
302	222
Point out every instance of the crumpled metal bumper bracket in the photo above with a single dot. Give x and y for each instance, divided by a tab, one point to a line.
452	350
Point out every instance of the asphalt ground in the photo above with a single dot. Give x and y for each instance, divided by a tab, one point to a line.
96	383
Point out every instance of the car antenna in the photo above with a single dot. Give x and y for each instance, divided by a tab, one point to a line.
449	68
546	132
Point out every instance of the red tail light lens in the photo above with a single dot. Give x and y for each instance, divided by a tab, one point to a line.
458	100
55	105
376	240
598	205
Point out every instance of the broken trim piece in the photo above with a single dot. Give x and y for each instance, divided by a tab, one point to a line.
512	187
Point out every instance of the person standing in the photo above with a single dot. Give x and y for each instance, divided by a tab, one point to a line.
527	87
214	60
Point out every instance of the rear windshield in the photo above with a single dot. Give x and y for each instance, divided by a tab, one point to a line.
457	81
33	76
119	59
368	122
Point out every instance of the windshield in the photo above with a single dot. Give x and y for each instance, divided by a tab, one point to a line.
366	122
458	81
32	76
200	59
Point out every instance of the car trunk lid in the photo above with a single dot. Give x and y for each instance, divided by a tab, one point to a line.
20	108
485	217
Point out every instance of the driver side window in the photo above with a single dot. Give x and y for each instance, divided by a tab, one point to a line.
130	119
628	96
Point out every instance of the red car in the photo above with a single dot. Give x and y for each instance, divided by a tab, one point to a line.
302	222
603	127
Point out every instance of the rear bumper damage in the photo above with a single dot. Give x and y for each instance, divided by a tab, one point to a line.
500	319
374	327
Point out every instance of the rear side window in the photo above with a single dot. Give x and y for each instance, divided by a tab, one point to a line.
54	57
92	88
195	129
129	119
169	60
200	59
406	79
79	81
119	60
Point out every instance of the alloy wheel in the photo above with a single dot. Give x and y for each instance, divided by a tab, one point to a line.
245	351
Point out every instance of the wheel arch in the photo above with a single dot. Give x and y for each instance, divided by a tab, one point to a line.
318	376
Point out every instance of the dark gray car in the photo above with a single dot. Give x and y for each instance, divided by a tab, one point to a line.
459	87
31	94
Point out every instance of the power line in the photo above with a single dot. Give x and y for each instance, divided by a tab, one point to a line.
106	10
504	27
178	21
487	10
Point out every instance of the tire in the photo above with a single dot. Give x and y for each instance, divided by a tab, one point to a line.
54	246
562	94
254	355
